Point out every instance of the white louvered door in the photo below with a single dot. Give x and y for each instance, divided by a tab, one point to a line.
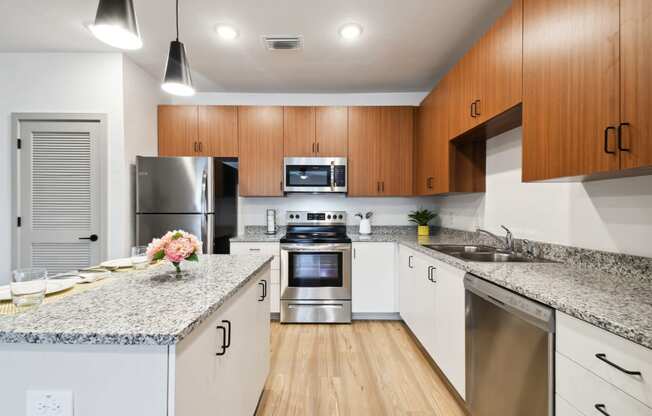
59	190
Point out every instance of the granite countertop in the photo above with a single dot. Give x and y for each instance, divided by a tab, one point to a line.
139	307
620	304
609	290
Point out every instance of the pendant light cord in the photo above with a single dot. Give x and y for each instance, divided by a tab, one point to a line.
177	20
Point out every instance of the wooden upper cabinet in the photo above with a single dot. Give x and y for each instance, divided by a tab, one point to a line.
363	163
177	130
500	65
432	154
636	83
396	151
218	131
299	131
463	92
571	87
424	146
487	81
261	151
381	151
332	134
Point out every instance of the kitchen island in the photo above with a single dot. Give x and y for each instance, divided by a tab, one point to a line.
148	344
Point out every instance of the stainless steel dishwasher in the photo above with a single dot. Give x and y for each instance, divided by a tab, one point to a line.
509	352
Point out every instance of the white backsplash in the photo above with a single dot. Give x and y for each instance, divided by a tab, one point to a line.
387	211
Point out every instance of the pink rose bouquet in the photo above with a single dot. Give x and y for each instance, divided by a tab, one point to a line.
175	246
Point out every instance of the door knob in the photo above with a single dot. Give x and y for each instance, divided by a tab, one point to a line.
92	237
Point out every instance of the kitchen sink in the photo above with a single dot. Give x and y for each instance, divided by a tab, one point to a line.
482	253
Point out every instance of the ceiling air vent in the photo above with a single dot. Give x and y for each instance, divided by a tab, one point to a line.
283	43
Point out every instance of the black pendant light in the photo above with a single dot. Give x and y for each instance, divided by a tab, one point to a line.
115	24
177	79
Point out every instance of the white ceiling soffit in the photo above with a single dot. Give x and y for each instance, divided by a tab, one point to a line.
405	45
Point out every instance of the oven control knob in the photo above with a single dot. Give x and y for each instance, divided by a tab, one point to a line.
340	217
291	216
328	216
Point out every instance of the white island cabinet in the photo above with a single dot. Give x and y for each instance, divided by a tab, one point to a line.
177	354
273	249
221	367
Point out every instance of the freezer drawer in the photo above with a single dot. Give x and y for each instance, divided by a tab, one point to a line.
150	226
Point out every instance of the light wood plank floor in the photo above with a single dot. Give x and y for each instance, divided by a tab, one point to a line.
367	368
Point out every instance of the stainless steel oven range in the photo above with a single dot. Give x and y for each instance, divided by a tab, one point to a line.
316	268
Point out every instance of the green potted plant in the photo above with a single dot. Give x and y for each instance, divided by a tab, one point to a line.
422	218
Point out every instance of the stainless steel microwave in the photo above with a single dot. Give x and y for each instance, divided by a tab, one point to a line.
315	174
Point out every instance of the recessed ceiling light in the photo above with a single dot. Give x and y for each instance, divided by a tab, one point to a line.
350	31
226	32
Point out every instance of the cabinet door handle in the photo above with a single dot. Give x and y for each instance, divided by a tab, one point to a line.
378	187
224	336
606	140
620	137
263	283
410	262
431	270
313	148
477	108
354	253
228	325
602	409
472	109
382	186
280	185
317	147
603	357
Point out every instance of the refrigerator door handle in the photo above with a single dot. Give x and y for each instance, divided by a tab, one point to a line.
208	236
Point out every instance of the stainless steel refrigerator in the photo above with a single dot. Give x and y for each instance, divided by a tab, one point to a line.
194	194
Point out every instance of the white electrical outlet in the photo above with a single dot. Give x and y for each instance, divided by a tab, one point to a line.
49	403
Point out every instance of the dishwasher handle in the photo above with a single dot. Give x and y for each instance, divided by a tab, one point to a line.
534	312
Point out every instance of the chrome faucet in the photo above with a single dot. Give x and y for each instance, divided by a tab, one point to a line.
507	241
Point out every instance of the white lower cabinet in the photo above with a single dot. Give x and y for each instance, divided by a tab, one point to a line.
601	373
273	249
373	278
221	367
563	408
590	394
431	302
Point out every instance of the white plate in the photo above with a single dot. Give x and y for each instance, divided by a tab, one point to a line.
54	286
117	263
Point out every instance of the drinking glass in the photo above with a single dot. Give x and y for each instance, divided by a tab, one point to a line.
28	287
139	257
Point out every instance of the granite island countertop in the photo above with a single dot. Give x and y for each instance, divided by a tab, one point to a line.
138	307
608	290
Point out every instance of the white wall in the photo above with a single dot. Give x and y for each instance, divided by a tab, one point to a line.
612	215
61	82
387	211
141	94
80	83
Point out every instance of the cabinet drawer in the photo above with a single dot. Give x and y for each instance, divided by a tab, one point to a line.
584	391
581	342
273	249
563	408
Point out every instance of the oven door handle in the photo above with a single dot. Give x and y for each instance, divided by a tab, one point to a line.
317	247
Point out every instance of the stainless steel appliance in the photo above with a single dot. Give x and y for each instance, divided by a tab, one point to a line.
195	194
315	174
316	268
509	352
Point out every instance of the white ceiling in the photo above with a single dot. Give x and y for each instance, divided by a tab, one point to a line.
405	46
